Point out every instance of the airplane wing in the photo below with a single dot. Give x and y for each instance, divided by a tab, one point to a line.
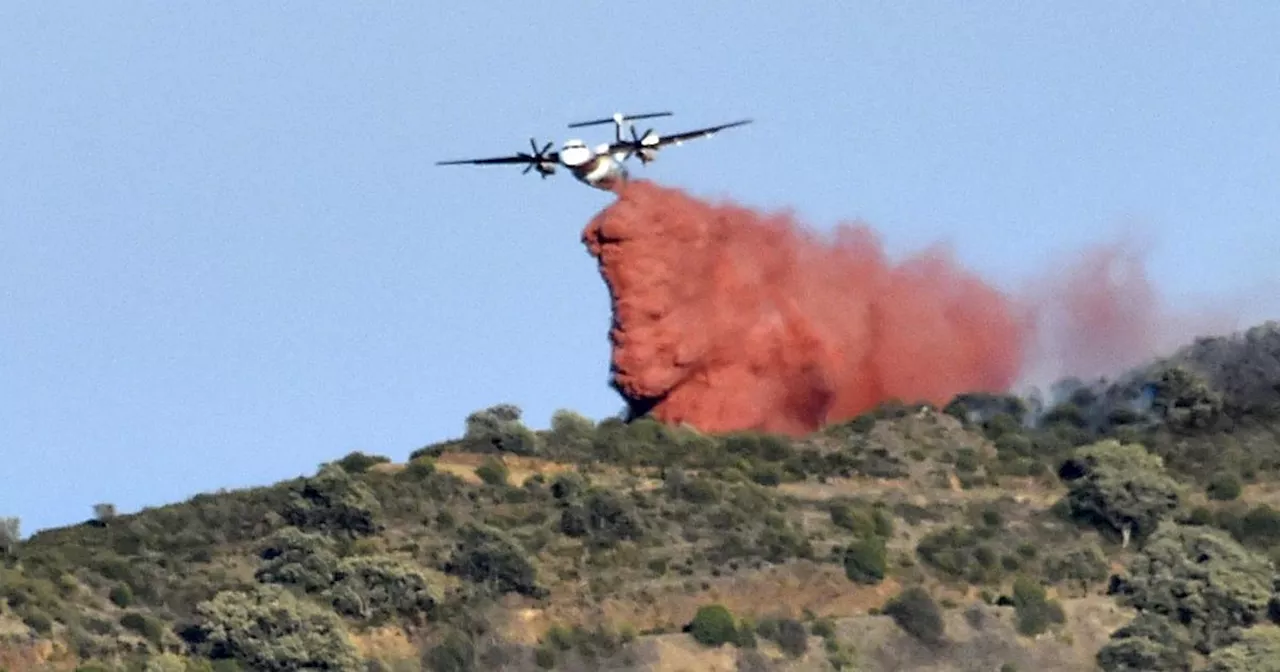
517	158
678	138
539	156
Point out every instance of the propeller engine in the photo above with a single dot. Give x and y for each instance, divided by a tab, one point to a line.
643	146
538	159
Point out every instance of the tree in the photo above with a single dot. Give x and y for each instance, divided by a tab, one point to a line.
334	501
489	556
1201	577
268	628
499	428
303	559
1149	642
918	615
375	589
713	625
1121	489
1257	651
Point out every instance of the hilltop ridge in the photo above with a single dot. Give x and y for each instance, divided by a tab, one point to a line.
1064	532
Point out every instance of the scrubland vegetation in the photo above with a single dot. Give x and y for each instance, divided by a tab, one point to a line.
1125	525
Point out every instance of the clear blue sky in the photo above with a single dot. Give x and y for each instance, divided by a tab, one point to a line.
226	255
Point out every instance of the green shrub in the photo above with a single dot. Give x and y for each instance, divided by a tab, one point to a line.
357	462
713	625
489	556
334	501
1149	642
375	589
267	628
303	559
1224	487
420	467
1035	613
1215	585
917	614
1122	489
493	471
121	595
865	561
499	428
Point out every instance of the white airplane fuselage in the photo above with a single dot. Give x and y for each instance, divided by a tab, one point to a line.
596	168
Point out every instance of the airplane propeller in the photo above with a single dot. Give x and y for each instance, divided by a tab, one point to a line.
646	155
538	159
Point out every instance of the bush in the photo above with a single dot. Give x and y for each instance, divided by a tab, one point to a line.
917	614
865	561
792	637
121	595
1148	642
489	556
1224	487
420	467
493	471
1214	585
335	502
357	462
1122	489
499	428
713	625
1034	611
296	558
267	628
375	589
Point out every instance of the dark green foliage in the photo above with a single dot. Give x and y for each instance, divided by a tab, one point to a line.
419	468
604	517
962	553
1224	487
918	615
985	409
1202	578
865	561
148	627
1258	528
1123	489
499	429
296	558
377	589
1258	650
267	628
493	471
121	595
357	462
714	625
1149	642
489	556
1086	565
1035	613
333	501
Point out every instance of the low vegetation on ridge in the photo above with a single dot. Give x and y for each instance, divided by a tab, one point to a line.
1126	525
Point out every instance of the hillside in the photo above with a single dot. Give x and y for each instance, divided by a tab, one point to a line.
1117	525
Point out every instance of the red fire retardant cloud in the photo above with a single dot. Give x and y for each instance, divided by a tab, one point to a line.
727	318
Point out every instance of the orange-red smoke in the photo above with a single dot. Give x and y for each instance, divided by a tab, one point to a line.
1099	314
730	319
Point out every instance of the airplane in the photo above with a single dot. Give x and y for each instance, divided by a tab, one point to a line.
601	166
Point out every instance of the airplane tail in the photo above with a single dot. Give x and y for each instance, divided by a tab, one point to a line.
619	118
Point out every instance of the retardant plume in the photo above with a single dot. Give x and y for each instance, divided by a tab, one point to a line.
728	319
1098	314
